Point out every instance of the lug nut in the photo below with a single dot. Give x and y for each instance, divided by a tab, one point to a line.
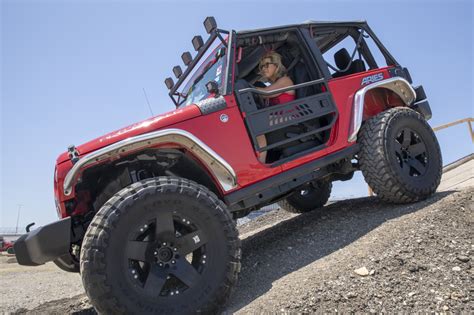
135	276
184	220
173	261
141	230
204	256
146	226
160	264
177	292
203	261
175	249
133	271
164	243
188	222
168	277
172	293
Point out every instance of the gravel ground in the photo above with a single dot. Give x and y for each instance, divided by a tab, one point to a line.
358	255
410	258
25	287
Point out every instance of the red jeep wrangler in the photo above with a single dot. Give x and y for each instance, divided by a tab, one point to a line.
148	212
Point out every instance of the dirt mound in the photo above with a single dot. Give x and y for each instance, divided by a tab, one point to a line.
414	257
355	255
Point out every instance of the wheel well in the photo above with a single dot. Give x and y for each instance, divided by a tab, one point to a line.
380	99
100	183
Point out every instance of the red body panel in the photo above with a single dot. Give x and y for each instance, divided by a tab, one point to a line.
230	139
342	90
151	124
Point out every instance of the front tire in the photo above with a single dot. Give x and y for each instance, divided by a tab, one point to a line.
163	245
400	156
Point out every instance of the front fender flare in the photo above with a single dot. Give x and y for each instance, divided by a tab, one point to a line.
216	165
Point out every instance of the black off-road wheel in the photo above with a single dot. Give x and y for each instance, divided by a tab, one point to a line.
400	156
161	246
312	196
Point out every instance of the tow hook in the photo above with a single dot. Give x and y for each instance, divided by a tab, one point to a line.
28	227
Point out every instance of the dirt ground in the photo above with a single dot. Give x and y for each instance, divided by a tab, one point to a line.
359	255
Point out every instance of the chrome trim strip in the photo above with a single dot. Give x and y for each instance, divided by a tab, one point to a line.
224	173
397	84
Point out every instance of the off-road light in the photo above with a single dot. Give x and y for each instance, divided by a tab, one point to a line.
186	57
210	24
197	42
177	71
169	83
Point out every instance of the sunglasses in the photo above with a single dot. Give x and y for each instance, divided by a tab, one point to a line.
266	65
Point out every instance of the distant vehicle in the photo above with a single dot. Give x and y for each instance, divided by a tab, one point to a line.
148	211
5	245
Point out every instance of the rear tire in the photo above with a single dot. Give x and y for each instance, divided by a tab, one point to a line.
312	196
163	246
400	156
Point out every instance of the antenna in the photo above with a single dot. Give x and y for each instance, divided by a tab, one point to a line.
18	218
148	102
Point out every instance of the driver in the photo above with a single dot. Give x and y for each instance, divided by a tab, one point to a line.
272	69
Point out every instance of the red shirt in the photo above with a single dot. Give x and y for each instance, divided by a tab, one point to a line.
282	98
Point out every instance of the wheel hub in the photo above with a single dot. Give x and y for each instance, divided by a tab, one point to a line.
164	254
406	154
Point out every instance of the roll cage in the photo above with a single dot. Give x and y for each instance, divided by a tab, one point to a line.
304	124
324	34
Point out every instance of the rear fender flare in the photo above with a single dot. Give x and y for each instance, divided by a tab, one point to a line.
398	85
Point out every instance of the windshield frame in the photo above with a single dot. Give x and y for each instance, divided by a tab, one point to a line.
229	44
198	78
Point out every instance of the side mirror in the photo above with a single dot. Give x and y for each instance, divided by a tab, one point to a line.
177	71
186	57
210	24
220	52
212	87
197	42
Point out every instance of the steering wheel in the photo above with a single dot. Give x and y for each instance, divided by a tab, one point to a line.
260	101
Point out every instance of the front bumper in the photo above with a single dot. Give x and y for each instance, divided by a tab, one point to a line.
44	244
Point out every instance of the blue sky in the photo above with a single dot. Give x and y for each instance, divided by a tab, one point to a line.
72	71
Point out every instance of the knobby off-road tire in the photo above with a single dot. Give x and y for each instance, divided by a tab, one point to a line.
313	196
400	156
162	246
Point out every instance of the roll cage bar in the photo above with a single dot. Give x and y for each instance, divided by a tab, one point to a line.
312	28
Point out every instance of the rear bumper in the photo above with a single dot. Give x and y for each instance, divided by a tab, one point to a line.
44	244
423	108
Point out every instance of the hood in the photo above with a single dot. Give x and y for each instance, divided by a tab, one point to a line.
151	124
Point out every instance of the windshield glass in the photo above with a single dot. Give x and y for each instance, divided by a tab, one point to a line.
211	69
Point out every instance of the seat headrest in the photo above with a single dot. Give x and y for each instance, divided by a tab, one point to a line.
342	58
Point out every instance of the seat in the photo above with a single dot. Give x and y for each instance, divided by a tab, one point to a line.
342	60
